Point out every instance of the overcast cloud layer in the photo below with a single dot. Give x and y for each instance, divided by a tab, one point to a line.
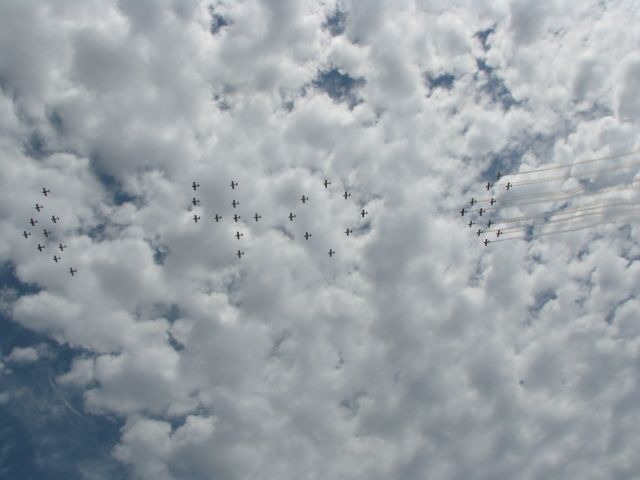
414	352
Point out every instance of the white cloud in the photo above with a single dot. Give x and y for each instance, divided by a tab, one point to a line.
414	348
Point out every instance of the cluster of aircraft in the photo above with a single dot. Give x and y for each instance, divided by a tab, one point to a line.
257	217
47	233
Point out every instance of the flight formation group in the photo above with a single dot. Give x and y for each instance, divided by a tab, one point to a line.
195	202
48	235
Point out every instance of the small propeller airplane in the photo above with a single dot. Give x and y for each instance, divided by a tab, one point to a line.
473	201
489	185
56	258
46	233
55	219
33	222
257	217
307	235
45	192
304	199
498	233
62	247
346	195
72	271
217	218
195	185
480	232
348	231
233	185
26	234
489	223
240	253
326	183
239	235
509	185
481	211
331	253
486	242
291	216
499	175
471	223
235	203
463	211
236	217
39	207
196	218
363	213
493	200
195	201
40	247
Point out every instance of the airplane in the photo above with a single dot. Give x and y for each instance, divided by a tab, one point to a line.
348	231
72	271
257	217
291	217
462	212
217	218
480	231
346	195
236	217
486	242
235	203
331	252
499	175
238	235
240	253
195	201
326	183
195	185
56	258
25	234
307	235
46	233
489	185
489	223
33	222
233	185
39	207
498	233
196	218
509	185
40	247
493	200
62	247
471	222
45	191
304	199
481	211
473	201
54	219
363	213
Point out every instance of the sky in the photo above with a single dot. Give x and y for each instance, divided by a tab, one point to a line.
414	351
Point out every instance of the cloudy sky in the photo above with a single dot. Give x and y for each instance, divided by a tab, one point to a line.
415	351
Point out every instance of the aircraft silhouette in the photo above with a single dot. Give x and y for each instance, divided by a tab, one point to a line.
40	247
481	211
236	217
54	219
45	191
72	271
46	233
331	252
470	223
498	176
326	183
62	247
498	233
307	235
238	235
489	185
235	204
217	218
196	218
486	242
195	185
348	231
33	222
363	213
463	211
25	234
39	207
56	258
233	185
257	217
304	199
473	200
480	231
489	223
493	200
509	185
291	217
240	253
195	201
346	195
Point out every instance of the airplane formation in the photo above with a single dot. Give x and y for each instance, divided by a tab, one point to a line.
47	233
304	199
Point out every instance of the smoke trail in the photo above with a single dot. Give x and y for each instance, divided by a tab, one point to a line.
578	175
552	198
